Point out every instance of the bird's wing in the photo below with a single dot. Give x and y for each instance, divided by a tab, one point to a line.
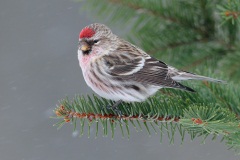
124	64
141	68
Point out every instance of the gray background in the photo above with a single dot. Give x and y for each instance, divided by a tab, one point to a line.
39	66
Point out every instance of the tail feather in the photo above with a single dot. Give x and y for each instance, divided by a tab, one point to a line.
190	76
182	87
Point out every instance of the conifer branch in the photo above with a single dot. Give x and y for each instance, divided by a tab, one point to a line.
69	114
175	45
170	111
136	5
194	35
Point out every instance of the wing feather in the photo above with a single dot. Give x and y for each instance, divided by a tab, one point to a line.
132	64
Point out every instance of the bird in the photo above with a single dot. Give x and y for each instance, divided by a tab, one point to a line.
117	70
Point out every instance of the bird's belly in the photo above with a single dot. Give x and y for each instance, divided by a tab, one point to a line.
100	88
120	92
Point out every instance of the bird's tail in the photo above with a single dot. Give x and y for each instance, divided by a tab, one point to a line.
182	75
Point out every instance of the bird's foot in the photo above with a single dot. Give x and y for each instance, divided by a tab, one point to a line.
115	109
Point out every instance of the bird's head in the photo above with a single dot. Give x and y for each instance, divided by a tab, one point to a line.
95	36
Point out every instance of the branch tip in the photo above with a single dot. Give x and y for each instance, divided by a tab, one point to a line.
234	14
197	121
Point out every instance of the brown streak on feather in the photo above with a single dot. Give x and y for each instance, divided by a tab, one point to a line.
132	87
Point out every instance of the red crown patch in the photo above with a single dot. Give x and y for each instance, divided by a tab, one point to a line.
86	33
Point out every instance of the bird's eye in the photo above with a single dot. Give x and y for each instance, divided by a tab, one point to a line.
95	41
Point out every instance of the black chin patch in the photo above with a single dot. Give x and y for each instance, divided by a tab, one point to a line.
87	52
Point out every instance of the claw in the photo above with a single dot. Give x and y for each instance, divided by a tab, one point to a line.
115	109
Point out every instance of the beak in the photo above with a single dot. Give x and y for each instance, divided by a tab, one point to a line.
84	47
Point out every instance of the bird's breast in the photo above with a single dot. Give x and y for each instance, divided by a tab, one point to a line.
85	60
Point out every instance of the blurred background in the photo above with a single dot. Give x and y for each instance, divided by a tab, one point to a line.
39	66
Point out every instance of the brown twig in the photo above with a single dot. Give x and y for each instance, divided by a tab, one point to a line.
68	115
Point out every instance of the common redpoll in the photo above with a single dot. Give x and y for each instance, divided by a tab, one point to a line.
118	70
